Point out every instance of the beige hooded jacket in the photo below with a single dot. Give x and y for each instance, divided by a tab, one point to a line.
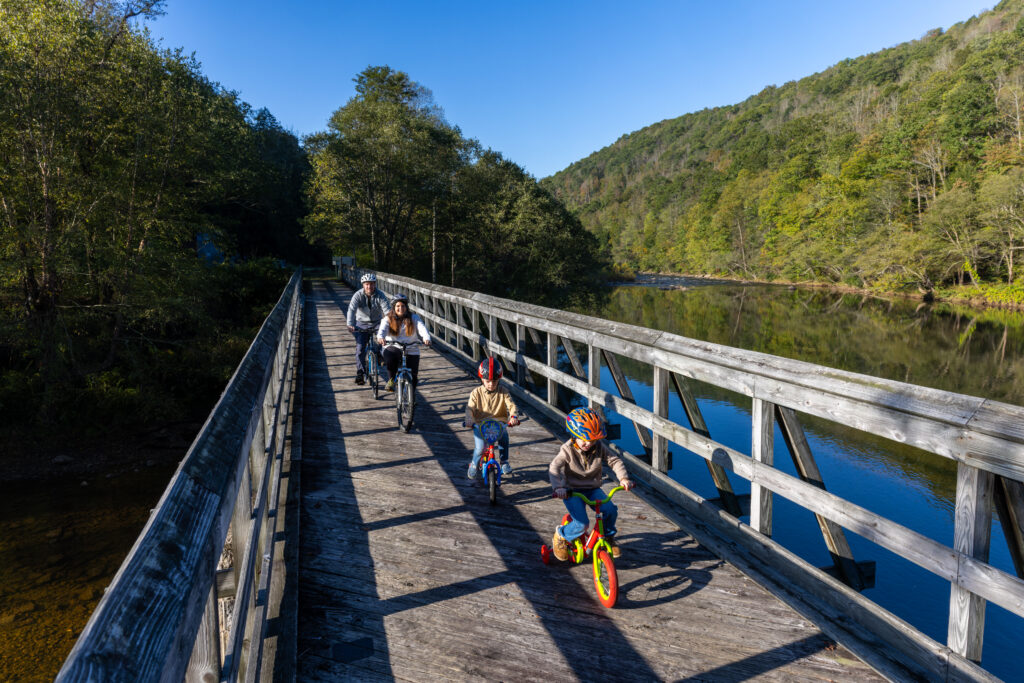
573	469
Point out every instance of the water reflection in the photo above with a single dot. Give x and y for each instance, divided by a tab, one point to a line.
952	348
975	352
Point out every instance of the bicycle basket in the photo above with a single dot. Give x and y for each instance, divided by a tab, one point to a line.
492	430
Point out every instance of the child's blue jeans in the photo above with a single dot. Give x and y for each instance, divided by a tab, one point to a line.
478	446
578	509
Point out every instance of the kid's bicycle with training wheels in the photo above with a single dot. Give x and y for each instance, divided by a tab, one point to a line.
605	579
405	393
492	431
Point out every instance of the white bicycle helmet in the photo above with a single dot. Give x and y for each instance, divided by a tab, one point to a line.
368	277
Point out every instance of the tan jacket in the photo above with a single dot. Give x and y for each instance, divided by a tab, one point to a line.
572	469
484	405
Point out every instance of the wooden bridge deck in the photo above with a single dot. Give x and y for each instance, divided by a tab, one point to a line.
406	572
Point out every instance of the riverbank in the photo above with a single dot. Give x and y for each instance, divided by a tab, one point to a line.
157	446
1003	297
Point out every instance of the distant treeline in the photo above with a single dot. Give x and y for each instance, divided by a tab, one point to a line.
146	213
115	158
399	186
903	168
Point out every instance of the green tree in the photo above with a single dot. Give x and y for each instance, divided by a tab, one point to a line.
1001	200
386	157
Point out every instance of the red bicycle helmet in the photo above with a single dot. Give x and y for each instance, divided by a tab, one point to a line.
585	424
490	368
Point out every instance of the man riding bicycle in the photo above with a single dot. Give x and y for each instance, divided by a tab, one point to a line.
365	310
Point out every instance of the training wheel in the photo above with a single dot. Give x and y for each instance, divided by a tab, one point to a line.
545	554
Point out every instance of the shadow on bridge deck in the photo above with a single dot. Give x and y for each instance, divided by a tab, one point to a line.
406	572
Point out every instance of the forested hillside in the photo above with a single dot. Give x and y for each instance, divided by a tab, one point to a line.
899	169
116	159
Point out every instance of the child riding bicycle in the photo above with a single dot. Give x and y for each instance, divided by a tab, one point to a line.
401	325
579	467
490	401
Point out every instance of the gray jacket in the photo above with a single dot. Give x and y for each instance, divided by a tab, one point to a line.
365	312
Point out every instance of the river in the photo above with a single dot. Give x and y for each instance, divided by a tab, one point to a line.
954	348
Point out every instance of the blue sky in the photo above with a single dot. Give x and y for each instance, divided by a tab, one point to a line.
544	83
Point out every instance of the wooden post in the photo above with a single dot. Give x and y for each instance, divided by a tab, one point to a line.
594	374
971	537
474	323
762	450
520	341
552	363
835	538
204	664
447	318
659	445
730	503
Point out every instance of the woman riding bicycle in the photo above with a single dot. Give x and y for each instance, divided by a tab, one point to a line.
579	466
401	325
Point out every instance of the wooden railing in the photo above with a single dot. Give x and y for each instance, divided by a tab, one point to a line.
984	437
159	618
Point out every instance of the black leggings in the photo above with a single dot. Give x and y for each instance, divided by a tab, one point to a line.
393	359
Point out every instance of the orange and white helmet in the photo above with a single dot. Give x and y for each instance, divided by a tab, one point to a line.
585	424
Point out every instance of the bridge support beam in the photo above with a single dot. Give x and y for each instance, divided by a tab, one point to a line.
730	503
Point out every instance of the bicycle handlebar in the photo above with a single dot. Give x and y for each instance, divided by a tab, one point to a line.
586	500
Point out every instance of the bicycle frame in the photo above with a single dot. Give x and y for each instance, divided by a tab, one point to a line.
596	538
403	378
491	435
373	365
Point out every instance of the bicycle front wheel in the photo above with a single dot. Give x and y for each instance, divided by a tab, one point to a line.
399	398
605	579
492	483
407	399
373	373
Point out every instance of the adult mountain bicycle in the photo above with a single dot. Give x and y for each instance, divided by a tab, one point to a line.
373	366
405	393
606	581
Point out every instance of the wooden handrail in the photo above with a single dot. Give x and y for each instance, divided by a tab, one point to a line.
146	625
985	437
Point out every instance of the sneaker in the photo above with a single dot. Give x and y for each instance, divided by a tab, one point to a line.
390	386
471	472
560	546
615	547
506	468
359	378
